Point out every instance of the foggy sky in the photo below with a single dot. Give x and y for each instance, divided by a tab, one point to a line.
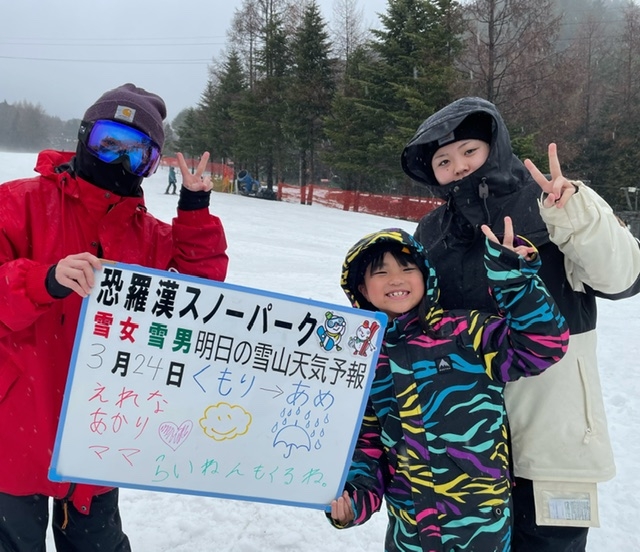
63	55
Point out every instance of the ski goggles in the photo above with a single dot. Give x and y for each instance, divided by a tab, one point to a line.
113	142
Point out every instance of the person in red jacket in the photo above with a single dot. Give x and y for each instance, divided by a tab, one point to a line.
54	229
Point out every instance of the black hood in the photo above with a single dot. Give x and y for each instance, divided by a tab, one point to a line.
503	171
501	186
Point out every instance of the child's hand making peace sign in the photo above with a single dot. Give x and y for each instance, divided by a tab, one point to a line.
525	251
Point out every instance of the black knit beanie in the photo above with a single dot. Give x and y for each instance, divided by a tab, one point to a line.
133	106
475	126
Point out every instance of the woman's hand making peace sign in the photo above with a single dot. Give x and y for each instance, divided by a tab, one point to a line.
559	189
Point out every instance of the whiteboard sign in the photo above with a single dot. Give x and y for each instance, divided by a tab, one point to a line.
187	385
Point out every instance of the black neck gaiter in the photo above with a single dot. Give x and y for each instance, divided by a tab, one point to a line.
111	177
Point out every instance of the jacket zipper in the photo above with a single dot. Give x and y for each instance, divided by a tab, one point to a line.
483	194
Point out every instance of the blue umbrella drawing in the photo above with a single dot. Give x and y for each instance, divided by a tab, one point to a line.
292	436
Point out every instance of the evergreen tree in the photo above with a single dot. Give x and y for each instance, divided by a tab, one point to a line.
189	141
260	115
26	127
169	149
351	128
223	90
250	148
310	90
412	76
207	129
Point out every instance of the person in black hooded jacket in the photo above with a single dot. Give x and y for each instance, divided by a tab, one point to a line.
560	441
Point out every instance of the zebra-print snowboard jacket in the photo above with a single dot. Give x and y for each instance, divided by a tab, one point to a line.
434	437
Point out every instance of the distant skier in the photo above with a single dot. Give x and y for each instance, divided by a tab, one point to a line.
173	180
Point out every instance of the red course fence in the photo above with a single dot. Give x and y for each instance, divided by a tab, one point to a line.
218	169
393	206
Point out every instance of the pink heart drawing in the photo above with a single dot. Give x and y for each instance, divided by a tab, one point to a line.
174	435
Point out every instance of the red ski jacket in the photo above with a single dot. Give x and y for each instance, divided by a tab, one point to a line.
42	220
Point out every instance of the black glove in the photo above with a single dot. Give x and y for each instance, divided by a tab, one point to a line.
191	201
55	289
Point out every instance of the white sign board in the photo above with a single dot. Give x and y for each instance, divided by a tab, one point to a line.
187	385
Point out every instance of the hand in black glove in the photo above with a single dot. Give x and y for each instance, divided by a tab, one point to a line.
73	273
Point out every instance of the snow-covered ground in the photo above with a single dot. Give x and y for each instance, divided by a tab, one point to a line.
298	250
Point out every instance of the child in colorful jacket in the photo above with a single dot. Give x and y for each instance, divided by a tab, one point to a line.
433	440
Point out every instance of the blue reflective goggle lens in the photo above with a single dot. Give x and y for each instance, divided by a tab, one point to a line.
113	142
